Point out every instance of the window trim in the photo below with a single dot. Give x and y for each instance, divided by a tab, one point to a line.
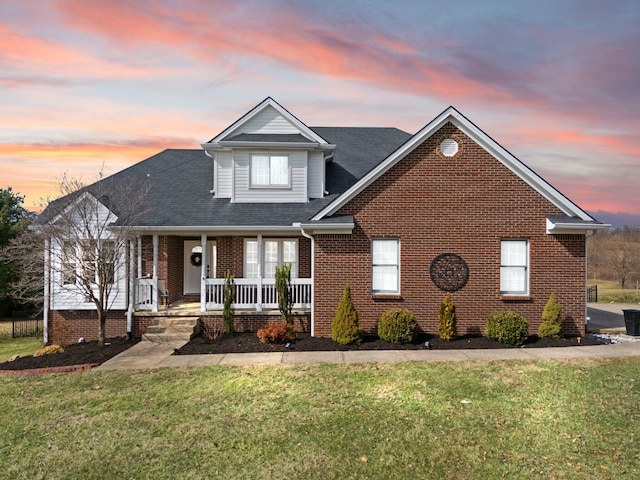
270	185
526	266
397	265
280	241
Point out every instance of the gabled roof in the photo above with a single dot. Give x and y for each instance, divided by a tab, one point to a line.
481	138
235	130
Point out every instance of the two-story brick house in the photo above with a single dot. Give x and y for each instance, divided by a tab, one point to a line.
403	219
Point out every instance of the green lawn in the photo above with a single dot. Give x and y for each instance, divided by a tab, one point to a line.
15	346
610	292
537	420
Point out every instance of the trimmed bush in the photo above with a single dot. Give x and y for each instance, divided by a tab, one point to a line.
398	326
551	325
507	327
345	328
447	320
229	296
277	333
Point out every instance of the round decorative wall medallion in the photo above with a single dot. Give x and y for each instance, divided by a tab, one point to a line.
449	147
449	272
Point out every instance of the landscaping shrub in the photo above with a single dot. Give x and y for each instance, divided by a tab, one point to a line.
229	294
398	326
447	320
507	327
283	287
48	350
345	328
277	333
551	325
211	329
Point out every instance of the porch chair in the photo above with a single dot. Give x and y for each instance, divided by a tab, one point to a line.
163	293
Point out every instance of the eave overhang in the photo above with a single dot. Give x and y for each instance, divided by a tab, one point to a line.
573	226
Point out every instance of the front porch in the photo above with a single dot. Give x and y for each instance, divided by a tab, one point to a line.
251	295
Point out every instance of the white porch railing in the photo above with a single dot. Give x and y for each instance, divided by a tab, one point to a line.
250	293
257	293
146	294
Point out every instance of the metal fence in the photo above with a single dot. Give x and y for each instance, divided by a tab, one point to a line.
26	324
592	294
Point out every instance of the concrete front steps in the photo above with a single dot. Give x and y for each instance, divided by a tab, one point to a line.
172	329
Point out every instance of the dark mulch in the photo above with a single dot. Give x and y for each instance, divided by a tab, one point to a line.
76	354
248	342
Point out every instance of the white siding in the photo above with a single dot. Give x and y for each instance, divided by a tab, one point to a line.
268	120
316	175
224	174
297	193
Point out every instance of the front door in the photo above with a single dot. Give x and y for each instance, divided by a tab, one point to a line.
193	265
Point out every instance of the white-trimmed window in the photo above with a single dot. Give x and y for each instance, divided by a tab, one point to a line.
514	267
385	265
270	171
86	260
275	252
69	263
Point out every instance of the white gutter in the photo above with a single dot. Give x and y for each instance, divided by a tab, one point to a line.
313	279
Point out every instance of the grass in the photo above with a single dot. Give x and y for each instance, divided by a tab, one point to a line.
610	292
15	346
553	419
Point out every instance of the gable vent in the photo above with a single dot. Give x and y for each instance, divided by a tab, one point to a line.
449	147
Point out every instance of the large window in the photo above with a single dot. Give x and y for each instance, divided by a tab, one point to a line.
270	171
514	267
87	260
385	265
274	252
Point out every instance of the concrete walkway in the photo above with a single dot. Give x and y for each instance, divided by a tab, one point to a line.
147	355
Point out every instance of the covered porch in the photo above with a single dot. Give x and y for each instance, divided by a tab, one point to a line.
172	270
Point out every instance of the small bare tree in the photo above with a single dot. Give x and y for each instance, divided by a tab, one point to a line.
81	240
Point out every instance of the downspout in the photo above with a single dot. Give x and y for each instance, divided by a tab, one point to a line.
45	313
313	281
586	280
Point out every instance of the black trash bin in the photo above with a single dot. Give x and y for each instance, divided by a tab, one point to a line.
632	321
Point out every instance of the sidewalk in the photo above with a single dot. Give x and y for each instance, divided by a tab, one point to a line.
147	355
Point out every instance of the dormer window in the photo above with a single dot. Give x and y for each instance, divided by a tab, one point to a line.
270	171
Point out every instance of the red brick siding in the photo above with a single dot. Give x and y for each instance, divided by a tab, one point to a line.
251	322
465	205
67	326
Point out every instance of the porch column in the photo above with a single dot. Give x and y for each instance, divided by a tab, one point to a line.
155	272
45	313
139	239
260	260
132	288
203	275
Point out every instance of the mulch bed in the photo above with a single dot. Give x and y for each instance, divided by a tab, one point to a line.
248	342
82	355
73	355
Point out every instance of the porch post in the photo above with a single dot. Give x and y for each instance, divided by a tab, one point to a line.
203	275
132	289
155	273
260	260
139	238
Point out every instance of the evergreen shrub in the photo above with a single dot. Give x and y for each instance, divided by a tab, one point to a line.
345	328
398	326
507	327
551	325
447	319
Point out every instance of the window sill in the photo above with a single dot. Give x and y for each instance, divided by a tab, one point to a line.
386	296
515	298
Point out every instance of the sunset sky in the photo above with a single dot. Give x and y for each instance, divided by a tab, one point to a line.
106	82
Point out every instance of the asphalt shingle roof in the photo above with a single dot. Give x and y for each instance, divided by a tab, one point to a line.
180	183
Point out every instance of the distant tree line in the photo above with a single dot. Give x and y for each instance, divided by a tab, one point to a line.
615	255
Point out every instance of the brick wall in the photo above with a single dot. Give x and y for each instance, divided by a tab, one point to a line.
465	205
67	326
251	322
